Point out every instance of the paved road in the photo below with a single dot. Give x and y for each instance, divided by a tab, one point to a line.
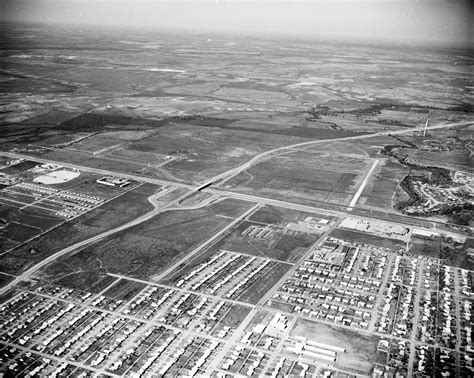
213	366
96	238
98	171
233	172
224	176
206	243
363	184
73	218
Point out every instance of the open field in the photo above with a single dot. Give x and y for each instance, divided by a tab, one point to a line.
93	281
19	168
234	316
254	293
280	244
24	223
382	186
448	251
279	216
4	279
124	290
114	213
361	350
144	250
31	215
365	238
195	289
269	177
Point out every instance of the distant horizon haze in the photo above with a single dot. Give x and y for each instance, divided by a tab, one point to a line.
447	22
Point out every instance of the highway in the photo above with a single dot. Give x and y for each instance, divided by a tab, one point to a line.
363	184
157	209
224	176
206	243
232	172
98	171
223	194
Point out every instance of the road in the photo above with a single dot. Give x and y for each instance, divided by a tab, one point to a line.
98	171
157	209
233	172
206	243
223	176
240	330
71	219
363	184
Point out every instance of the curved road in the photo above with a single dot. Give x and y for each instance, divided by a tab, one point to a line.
234	171
141	219
223	176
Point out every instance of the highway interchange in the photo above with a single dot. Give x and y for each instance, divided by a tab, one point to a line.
332	209
213	187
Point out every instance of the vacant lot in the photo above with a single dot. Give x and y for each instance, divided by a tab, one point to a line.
4	279
112	214
268	177
383	184
273	215
21	232
23	224
364	238
255	292
31	216
124	290
283	245
361	350
93	281
19	168
234	316
145	250
445	249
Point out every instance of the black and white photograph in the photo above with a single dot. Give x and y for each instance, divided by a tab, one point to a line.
237	188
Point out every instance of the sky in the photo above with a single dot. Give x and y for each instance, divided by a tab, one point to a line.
443	21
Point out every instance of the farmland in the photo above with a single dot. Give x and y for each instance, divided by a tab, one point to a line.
146	249
215	205
271	178
110	215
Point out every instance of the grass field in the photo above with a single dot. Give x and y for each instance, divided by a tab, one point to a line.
361	350
20	232
231	207
273	215
93	281
302	176
255	292
5	279
112	214
22	224
383	184
124	290
449	252
234	316
146	249
19	168
364	238
283	245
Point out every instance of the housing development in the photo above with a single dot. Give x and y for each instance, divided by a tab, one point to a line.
292	211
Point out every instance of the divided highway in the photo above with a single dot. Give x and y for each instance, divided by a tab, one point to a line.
219	179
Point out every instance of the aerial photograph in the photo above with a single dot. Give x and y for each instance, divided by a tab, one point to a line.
236	188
